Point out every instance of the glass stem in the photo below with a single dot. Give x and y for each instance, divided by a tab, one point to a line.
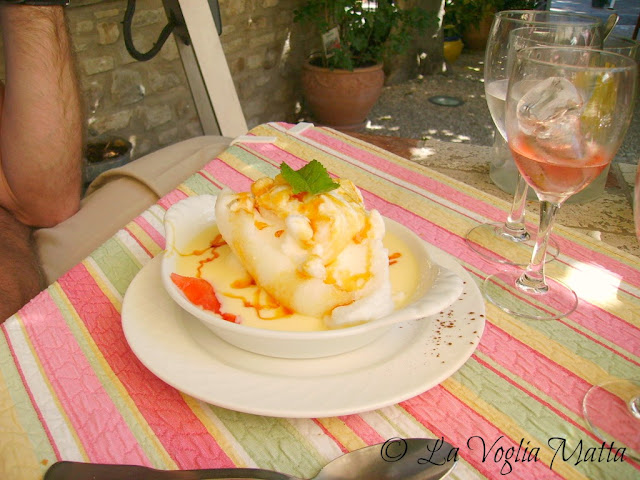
533	279
514	226
634	406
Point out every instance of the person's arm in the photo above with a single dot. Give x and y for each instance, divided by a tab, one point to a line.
20	275
41	125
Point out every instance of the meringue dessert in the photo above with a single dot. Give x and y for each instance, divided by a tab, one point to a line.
297	257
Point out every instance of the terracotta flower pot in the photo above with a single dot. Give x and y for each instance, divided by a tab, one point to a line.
341	99
475	37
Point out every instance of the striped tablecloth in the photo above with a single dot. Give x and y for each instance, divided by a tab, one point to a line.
71	388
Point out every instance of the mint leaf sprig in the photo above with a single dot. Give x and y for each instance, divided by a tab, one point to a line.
313	178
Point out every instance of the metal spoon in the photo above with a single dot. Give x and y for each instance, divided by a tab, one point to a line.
609	25
408	459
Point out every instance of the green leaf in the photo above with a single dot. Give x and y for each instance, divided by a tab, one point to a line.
313	178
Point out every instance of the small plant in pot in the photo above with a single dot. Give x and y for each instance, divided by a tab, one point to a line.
343	80
472	18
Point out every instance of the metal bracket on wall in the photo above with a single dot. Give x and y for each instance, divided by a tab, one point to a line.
197	31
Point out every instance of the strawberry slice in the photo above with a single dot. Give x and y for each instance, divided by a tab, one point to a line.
201	293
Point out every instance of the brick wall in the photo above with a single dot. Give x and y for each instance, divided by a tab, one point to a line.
149	102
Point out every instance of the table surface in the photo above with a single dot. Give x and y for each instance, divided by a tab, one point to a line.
71	387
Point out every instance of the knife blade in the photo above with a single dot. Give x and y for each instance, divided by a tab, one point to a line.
92	471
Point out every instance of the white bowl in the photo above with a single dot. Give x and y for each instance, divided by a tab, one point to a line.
437	289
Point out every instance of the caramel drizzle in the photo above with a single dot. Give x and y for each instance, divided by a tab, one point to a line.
393	258
266	307
216	243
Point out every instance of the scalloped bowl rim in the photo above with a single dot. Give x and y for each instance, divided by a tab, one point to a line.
197	212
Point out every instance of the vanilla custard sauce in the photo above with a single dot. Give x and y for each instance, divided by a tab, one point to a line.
210	258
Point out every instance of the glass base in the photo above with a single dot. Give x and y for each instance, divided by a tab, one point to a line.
488	238
557	301
612	410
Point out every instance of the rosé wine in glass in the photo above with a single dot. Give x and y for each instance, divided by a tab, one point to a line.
553	175
567	112
510	241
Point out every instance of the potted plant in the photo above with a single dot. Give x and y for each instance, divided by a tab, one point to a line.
472	19
343	79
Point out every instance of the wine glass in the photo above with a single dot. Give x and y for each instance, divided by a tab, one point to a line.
565	29
622	45
566	115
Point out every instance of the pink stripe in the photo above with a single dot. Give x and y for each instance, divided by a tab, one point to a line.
465	428
150	230
171	198
568	247
101	429
228	176
171	419
330	435
361	428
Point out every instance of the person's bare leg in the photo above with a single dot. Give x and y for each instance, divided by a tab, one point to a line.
20	276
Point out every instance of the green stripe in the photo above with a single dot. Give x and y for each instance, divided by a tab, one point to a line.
26	415
118	264
293	454
200	185
253	160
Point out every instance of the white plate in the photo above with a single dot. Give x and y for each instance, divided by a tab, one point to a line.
410	359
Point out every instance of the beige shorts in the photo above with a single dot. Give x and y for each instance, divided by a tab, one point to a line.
119	195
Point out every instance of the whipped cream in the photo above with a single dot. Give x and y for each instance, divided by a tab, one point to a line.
319	255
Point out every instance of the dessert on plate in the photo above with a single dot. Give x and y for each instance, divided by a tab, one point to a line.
296	252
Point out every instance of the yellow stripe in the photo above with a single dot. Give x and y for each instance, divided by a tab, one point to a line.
13	438
342	433
186	190
144	238
228	445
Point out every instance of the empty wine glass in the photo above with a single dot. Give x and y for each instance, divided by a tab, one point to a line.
563	28
567	112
